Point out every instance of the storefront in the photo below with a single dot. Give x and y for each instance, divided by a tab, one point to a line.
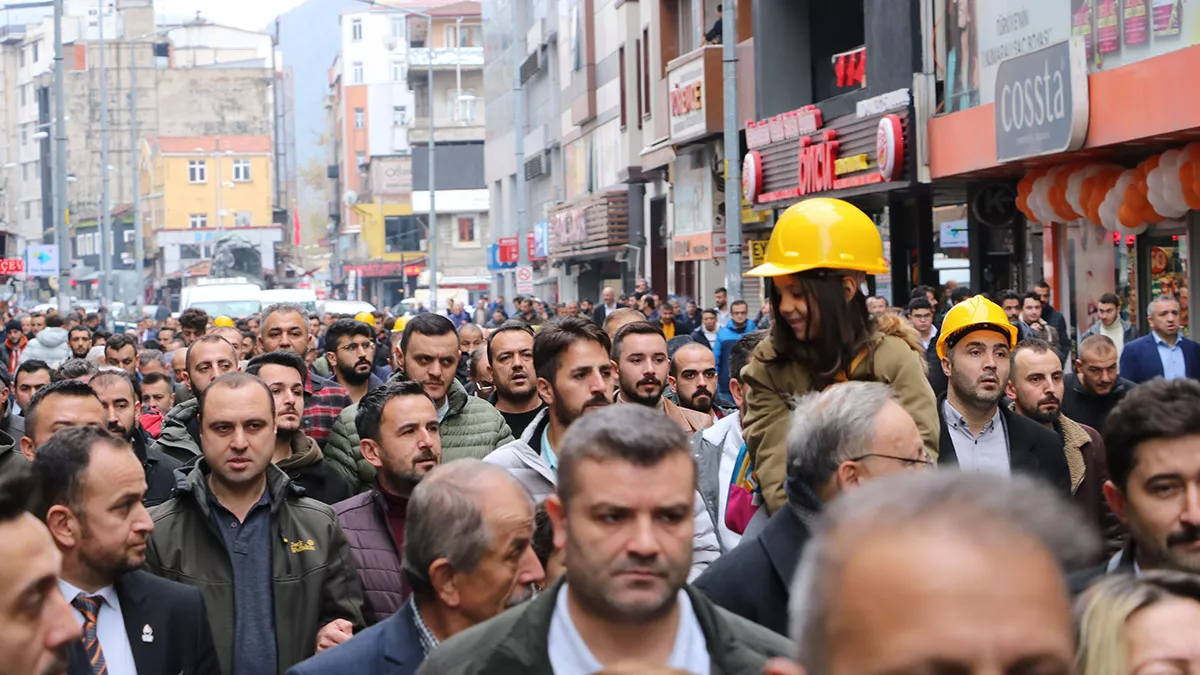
1085	117
588	245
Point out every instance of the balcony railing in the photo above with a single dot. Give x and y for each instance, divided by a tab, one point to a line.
420	57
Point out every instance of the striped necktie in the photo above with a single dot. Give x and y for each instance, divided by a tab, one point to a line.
89	607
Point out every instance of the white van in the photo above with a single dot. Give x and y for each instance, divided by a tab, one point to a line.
305	297
236	298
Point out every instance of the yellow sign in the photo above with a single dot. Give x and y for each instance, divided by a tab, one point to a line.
67	213
851	164
758	252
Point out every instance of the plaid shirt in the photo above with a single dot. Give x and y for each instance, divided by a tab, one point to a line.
323	401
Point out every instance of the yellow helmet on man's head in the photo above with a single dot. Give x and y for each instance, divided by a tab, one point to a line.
365	317
823	233
401	322
972	314
223	322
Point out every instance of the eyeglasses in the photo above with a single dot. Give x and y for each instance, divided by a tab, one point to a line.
357	347
924	463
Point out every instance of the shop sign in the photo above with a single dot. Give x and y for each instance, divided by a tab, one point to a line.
751	176
569	226
782	127
693	247
541	241
379	269
1042	102
758	251
878	105
11	266
889	146
694	95
509	255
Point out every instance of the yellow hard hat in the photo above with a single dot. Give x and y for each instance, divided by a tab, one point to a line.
401	322
823	233
975	313
223	322
365	317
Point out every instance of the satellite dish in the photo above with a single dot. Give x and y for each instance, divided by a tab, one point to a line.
350	198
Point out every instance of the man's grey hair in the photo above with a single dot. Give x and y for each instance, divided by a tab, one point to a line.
282	308
832	426
445	520
478	357
1160	299
987	509
149	356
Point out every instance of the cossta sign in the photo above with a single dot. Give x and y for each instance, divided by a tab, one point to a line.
1041	102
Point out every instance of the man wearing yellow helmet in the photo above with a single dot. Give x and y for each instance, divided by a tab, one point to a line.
817	260
223	322
977	433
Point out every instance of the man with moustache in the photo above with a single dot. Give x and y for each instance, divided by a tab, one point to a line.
575	378
399	429
977	434
272	564
1165	352
285	327
350	349
1036	389
510	353
93	489
1095	387
640	352
296	454
693	378
79	339
622	514
37	625
470	427
469	557
119	394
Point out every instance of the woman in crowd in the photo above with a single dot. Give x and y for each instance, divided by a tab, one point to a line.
817	260
1140	625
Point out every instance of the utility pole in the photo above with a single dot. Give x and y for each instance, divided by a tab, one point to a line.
105	207
519	48
276	99
733	153
60	170
433	234
139	243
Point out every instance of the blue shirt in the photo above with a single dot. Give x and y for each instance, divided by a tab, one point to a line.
1173	364
249	546
548	455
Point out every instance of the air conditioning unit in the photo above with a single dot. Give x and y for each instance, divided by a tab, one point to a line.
531	66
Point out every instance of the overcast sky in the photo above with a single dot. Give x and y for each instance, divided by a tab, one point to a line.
247	14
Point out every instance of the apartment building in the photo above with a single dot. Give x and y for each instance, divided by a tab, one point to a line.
379	116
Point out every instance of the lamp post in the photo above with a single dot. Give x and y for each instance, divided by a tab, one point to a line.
433	238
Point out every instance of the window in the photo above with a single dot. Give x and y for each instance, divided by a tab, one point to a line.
197	171
360	159
241	170
402	233
35	51
198	221
127	236
24	133
357	70
397	70
464	231
462	104
21	57
645	72
399	116
471	35
28	209
621	82
360	118
398	27
356	30
22	90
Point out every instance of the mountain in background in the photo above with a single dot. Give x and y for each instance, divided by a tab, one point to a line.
308	40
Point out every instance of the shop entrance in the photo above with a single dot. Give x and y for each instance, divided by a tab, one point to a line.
1163	265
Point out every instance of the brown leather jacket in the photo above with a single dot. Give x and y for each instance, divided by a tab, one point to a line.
689	420
1089	471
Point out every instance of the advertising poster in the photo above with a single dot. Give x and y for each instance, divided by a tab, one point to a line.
962	55
1081	24
1008	28
1108	26
1137	22
1167	17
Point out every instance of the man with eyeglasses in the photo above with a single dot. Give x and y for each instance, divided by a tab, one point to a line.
350	349
839	438
1096	387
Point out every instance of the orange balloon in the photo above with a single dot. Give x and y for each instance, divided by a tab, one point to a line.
1101	184
1025	188
1187	179
1058	195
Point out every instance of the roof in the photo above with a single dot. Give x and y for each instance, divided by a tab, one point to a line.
187	145
465	8
437	8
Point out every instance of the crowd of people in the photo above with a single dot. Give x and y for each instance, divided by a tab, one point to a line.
630	487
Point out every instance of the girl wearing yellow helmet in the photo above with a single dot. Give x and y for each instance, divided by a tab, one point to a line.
816	262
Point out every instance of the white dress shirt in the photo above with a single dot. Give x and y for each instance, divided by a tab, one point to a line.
985	453
110	628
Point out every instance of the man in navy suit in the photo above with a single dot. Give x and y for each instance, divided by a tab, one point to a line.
458	578
1164	352
131	621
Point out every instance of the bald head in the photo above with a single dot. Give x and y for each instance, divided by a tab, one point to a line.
620	318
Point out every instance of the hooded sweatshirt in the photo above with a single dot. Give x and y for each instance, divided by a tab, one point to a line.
50	346
307	469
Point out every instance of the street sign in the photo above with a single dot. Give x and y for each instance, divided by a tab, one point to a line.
41	260
525	280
